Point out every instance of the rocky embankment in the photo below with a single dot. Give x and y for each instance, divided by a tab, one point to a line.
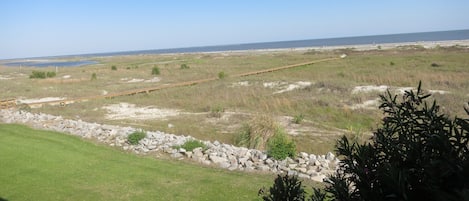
308	166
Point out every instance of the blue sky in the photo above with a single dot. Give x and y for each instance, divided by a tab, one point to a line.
52	27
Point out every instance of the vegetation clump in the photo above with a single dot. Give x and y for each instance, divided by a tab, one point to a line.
113	68
135	137
42	75
190	145
216	111
221	75
94	76
155	70
297	119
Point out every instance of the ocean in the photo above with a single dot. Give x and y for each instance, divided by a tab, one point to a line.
358	40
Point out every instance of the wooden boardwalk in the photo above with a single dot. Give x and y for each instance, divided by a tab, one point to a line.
179	84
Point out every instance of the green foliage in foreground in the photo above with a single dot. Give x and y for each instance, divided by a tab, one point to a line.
136	136
44	165
285	188
417	154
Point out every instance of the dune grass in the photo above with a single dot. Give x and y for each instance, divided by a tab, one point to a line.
44	165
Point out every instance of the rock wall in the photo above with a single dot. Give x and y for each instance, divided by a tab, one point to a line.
308	166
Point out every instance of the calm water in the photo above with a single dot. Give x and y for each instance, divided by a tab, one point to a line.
379	39
50	63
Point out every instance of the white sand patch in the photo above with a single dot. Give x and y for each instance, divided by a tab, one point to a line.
40	100
155	79
291	87
134	80
274	84
104	92
66	77
369	88
285	86
369	104
438	92
130	111
5	77
241	84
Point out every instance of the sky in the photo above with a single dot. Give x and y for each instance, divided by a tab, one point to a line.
37	28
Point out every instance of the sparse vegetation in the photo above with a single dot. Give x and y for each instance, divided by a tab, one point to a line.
297	119
257	132
216	111
135	137
113	68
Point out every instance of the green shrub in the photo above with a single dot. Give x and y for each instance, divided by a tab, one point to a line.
285	188
37	74
184	66
280	147
51	74
297	119
135	137
391	63
155	70
94	76
192	144
221	75
113	68
417	154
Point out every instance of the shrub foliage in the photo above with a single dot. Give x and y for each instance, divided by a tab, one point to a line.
192	144
417	154
155	70
135	137
280	147
41	74
285	188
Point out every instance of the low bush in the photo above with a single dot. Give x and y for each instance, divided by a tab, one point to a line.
192	144
155	70
135	137
113	68
280	146
221	75
94	76
184	66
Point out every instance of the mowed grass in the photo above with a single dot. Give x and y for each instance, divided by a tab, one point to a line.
44	165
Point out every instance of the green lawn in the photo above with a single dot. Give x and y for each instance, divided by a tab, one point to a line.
43	165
